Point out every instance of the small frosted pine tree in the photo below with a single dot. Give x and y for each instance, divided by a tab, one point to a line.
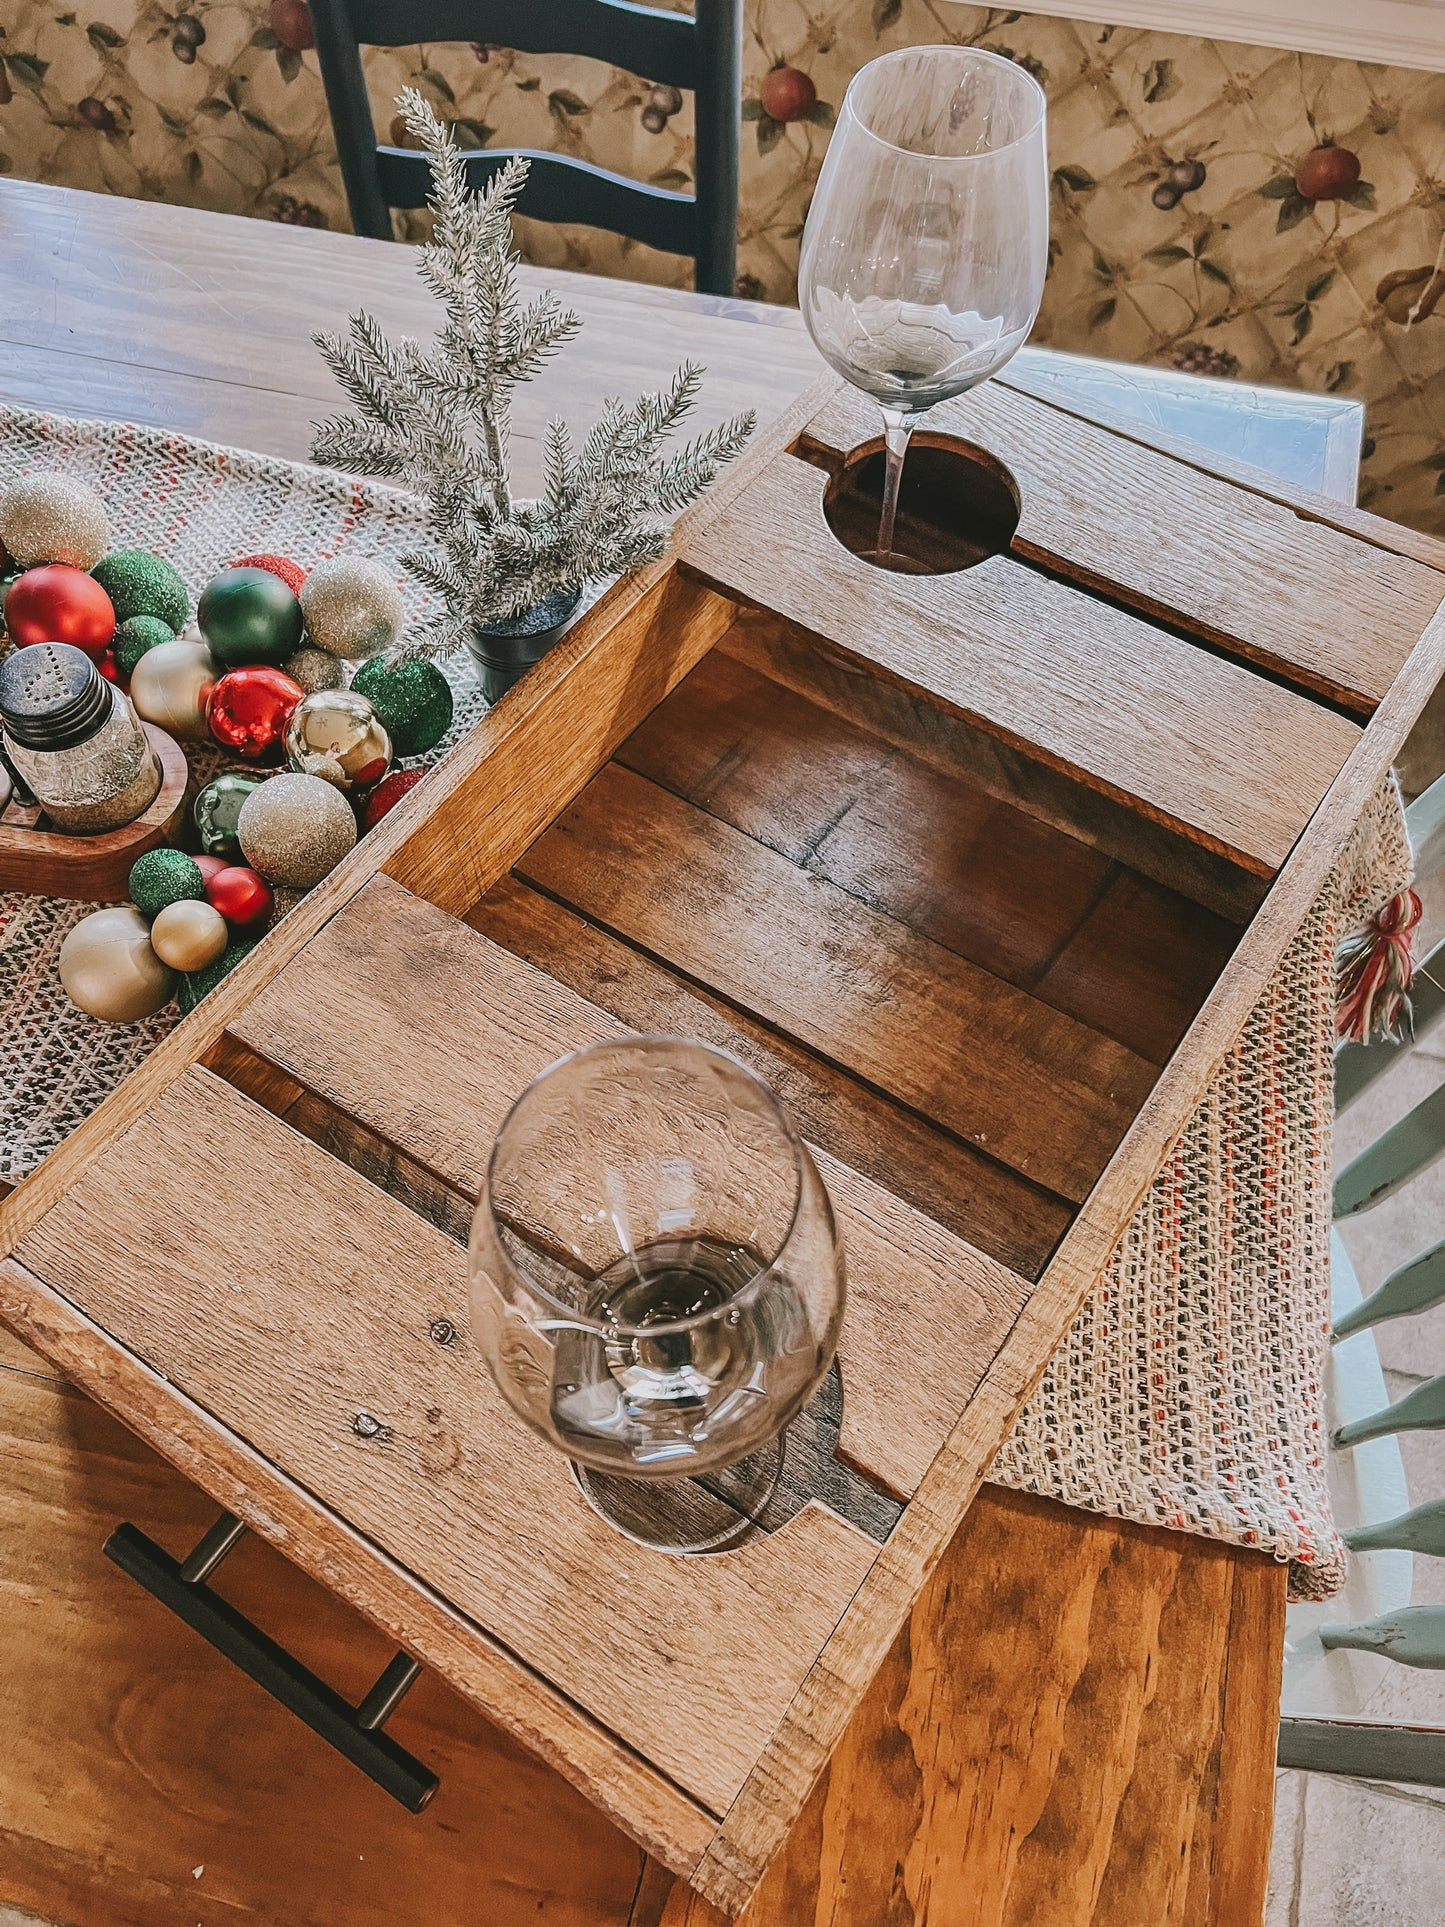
436	419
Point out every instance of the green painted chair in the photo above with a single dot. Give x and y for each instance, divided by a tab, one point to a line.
1367	1473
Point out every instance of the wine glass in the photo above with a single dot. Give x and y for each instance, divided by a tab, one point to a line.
657	1281
926	244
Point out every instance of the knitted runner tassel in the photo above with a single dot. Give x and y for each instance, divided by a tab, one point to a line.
1375	968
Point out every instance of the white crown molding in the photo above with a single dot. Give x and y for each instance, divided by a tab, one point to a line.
1391	33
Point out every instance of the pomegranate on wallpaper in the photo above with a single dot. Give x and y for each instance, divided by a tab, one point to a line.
1229	210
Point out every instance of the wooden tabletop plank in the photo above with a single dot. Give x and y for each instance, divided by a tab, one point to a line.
1099	693
1331	613
473	1025
206	322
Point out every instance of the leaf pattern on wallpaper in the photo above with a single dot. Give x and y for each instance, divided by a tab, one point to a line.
1230	210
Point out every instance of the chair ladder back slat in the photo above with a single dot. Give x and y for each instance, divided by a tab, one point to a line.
702	53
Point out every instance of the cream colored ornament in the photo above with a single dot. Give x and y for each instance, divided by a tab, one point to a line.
109	970
337	735
352	607
189	935
315	669
295	829
171	685
52	518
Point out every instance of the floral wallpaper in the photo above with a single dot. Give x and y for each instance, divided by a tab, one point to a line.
1227	209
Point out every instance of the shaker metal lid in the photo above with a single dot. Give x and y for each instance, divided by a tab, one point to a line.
52	696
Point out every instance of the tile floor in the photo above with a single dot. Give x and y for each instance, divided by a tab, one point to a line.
1351	1853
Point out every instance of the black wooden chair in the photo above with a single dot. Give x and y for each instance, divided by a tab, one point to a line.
702	54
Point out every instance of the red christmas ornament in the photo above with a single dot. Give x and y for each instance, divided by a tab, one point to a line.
1328	174
210	866
249	710
108	668
387	794
291	573
56	603
787	94
242	896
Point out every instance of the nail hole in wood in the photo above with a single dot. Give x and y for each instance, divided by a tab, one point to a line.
958	506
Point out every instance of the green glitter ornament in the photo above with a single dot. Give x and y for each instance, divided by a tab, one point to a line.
134	636
142	584
218	807
201	982
249	615
413	700
164	876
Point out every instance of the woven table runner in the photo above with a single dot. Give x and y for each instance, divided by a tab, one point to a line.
1187	1393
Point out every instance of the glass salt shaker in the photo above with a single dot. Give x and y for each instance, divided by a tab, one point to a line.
75	739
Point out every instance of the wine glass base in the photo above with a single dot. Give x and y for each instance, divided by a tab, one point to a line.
711	1513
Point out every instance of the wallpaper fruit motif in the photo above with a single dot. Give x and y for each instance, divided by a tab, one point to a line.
1232	210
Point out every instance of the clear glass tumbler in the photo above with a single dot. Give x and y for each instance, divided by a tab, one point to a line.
657	1279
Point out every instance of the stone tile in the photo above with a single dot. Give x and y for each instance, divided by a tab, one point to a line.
1371	1857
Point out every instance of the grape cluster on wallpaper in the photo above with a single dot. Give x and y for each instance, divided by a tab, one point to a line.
1228	209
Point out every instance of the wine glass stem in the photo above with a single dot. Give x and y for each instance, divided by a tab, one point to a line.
897	428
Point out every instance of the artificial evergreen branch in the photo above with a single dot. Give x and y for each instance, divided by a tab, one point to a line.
437	419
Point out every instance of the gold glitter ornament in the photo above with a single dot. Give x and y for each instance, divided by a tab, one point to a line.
52	518
352	607
295	829
284	899
337	735
189	935
315	669
171	685
109	970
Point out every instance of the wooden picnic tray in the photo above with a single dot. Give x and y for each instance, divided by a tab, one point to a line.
982	869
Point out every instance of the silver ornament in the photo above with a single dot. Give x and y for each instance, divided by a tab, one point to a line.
337	735
315	669
352	606
295	829
53	518
171	685
109	970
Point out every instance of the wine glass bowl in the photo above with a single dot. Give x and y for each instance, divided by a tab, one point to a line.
926	244
657	1280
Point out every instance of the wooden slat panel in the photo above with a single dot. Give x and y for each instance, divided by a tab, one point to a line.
978	1200
472	1025
1332	613
1063	677
293	1335
1038	1091
847	687
1012	894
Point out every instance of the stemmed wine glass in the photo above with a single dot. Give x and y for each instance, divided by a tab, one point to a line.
657	1281
926	243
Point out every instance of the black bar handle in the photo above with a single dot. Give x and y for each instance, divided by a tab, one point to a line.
354	1731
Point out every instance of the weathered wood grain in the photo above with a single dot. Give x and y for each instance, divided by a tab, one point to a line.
946	742
971	1195
295	1339
1301	598
1009	892
1040	1092
1124	707
328	1547
473	1025
1075	1727
145	1779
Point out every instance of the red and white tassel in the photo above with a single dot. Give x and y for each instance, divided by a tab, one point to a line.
1375	968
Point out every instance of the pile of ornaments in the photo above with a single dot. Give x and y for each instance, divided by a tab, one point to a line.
268	679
